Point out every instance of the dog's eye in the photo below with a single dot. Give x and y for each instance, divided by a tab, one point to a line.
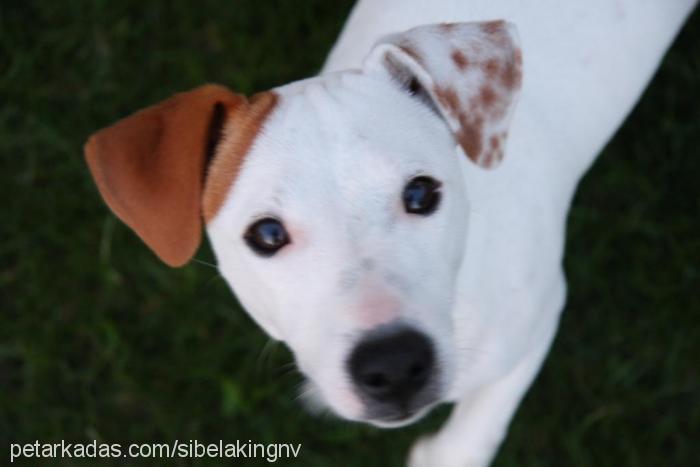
414	87
266	236
421	195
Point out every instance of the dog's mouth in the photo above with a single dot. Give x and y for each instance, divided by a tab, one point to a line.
395	414
380	414
401	417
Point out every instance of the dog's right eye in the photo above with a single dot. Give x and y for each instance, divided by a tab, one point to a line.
266	236
421	196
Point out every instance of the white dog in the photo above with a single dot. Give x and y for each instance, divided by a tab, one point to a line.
353	213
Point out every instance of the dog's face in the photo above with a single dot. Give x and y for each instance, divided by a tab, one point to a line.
335	206
340	227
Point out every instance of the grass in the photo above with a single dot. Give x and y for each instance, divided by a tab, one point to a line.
98	340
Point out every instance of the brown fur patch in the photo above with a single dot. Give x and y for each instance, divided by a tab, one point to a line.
491	68
448	98
495	142
519	57
149	168
497	32
496	148
487	97
470	133
460	60
492	157
487	160
244	125
493	27
511	75
411	52
470	136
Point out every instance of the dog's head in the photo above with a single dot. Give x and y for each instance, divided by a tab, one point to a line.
336	206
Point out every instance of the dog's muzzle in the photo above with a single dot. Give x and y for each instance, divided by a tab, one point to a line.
394	373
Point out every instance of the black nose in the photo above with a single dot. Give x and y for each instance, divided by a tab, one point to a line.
394	367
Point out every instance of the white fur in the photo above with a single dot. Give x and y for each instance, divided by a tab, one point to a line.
483	275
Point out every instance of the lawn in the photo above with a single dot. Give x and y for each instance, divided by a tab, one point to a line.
98	340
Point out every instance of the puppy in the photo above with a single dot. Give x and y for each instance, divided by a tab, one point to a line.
398	221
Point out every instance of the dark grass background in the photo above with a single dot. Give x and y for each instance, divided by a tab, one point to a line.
98	340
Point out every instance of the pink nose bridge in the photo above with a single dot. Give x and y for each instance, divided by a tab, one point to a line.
376	307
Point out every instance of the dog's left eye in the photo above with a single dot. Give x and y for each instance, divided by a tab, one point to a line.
421	195
266	236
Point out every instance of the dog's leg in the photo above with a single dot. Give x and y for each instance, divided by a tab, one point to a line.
479	422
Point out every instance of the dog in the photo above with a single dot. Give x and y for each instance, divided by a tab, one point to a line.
399	220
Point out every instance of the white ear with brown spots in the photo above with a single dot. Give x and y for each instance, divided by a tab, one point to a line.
472	73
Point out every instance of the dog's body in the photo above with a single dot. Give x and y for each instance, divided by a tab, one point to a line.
478	284
585	66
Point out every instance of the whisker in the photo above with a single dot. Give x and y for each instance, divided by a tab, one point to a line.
288	369
264	357
204	263
308	396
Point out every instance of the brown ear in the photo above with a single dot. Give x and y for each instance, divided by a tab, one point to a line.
150	167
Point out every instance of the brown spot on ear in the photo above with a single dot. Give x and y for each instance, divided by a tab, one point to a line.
459	59
497	32
519	57
491	68
244	125
511	75
495	142
487	97
487	160
495	152
412	52
470	136
448	98
493	27
492	157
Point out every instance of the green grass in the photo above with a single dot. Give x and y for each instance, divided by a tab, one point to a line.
100	340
